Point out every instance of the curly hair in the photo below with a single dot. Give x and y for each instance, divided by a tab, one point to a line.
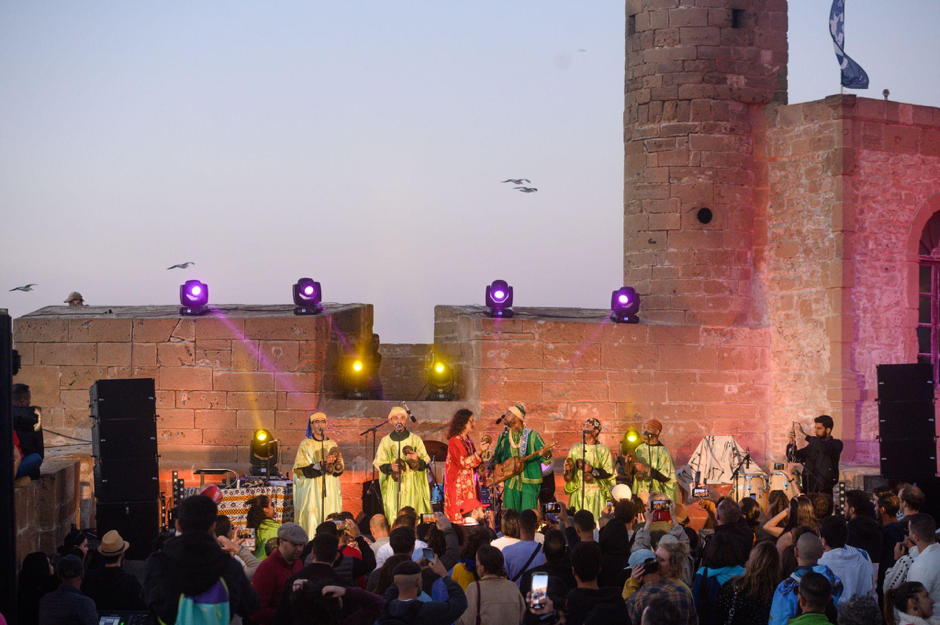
859	610
678	552
777	502
762	572
459	422
475	539
801	513
256	515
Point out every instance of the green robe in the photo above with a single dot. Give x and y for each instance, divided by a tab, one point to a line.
596	494
521	492
308	491
415	491
658	458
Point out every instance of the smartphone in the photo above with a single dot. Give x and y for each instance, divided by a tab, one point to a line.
660	505
650	567
553	506
428	517
340	524
779	466
753	496
700	491
539	590
428	554
610	504
245	533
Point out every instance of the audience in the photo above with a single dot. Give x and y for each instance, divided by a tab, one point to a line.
225	534
926	567
719	565
746	600
509	528
492	599
276	569
261	519
616	541
751	513
786	603
527	553
814	595
322	603
402	606
66	605
588	600
193	563
909	604
660	579
407	520
863	529
859	611
378	527
110	586
36	578
892	533
849	564
800	514
465	571
912	498
557	567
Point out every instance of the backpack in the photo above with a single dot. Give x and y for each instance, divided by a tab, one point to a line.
208	608
410	617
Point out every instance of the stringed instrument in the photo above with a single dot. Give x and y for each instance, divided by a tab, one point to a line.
514	466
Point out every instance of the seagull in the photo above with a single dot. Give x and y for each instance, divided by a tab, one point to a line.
582	50
28	287
517	181
526	189
181	266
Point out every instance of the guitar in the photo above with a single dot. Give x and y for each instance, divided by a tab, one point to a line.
514	466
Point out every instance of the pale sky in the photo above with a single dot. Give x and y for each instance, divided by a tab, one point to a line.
359	143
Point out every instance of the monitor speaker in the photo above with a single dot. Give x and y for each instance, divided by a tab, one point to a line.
909	459
138	522
906	420
133	479
124	439
909	382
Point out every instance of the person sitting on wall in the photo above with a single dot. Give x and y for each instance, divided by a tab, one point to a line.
27	424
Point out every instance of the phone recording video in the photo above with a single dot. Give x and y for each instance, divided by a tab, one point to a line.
428	554
650	567
660	505
340	524
428	517
553	507
610	504
700	491
539	590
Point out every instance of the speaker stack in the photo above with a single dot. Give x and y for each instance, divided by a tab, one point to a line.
124	444
907	422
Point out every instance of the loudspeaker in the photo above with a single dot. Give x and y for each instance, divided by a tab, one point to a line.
138	522
909	459
123	399
124	439
906	420
132	479
372	498
910	382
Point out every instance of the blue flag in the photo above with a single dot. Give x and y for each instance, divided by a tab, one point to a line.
853	76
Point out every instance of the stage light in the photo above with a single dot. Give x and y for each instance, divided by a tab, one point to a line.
440	379
307	297
263	454
624	305
194	298
630	441
499	299
356	374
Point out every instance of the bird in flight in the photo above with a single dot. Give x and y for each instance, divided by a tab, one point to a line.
517	180
181	266
24	288
582	50
526	189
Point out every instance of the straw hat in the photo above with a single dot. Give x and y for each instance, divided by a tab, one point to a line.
112	544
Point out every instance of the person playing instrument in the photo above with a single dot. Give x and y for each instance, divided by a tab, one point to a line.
595	462
461	481
403	462
820	457
655	470
521	491
316	473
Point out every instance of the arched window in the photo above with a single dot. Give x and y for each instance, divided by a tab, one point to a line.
928	309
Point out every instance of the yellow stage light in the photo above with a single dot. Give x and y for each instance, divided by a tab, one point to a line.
439	367
357	366
261	435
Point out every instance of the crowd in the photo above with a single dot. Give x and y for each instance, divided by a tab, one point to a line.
796	562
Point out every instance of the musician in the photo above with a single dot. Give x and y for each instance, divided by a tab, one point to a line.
598	469
655	470
820	456
461	480
521	491
316	474
403	462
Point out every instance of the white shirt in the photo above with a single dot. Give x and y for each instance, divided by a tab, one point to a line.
504	541
385	552
926	570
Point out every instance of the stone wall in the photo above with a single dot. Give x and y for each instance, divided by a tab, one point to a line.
46	508
403	370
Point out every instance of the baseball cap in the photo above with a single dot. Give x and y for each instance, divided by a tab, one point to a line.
70	567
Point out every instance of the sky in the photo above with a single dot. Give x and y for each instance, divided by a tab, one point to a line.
358	143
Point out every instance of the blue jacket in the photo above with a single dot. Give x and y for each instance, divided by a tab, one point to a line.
786	603
705	588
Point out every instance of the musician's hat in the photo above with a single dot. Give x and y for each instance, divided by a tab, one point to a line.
518	410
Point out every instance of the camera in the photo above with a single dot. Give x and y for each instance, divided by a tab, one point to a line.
650	567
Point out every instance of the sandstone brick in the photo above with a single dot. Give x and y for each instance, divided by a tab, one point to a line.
196	455
303	382
582	391
280	355
251	382
254	420
252	401
629	356
215	419
571	356
217	357
153	330
175	419
144	354
284	328
303	401
179	437
245	355
176	354
66	354
99	330
43	383
114	354
81	378
219	328
312	355
291	420
637	392
200	399
512	354
33	330
185	379
522	391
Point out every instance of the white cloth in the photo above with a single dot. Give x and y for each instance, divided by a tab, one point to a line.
377	544
504	541
897	574
385	552
926	570
716	458
853	567
910	619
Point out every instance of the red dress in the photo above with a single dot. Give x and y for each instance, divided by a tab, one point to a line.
460	479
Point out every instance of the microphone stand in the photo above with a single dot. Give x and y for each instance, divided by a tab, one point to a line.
583	464
400	475
363	433
322	478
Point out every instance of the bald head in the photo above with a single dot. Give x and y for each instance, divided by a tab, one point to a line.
809	549
378	525
729	512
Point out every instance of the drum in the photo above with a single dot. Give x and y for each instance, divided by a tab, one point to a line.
751	485
789	484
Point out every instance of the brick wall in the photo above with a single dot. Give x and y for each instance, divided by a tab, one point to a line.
218	377
403	370
46	508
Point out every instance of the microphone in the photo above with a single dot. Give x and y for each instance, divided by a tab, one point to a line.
501	417
747	457
399	427
321	430
408	410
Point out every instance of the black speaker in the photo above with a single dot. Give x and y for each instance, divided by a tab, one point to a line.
133	479
138	522
134	398
910	382
909	459
906	420
372	498
124	439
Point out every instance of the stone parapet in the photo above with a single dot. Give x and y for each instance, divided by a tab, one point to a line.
47	508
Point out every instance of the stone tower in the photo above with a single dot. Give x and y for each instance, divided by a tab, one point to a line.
698	74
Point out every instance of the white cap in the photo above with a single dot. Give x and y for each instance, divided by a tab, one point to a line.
621	492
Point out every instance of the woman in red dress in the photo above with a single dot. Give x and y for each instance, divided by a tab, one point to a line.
460	479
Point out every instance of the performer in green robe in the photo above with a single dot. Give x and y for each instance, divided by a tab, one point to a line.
521	492
655	470
404	476
318	459
598	472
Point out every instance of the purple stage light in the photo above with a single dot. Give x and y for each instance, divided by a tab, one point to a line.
499	299
624	305
194	297
307	297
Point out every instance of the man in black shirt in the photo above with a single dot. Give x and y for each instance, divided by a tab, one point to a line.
27	424
111	587
820	456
